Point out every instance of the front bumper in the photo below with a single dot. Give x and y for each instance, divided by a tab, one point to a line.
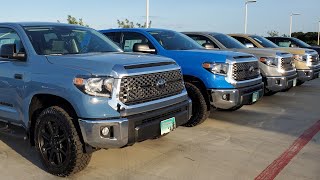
280	83
308	74
235	97
136	128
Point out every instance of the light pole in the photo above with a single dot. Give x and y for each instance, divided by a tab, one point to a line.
319	34
292	14
147	19
246	14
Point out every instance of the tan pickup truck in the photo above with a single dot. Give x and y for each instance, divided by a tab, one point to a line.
306	60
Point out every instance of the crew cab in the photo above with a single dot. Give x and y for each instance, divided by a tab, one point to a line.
276	67
224	79
306	60
74	92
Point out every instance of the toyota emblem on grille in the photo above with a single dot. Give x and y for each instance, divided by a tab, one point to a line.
251	69
161	83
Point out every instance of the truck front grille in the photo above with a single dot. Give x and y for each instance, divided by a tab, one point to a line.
245	71
286	64
149	87
314	60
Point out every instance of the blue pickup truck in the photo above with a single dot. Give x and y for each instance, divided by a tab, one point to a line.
74	91
223	79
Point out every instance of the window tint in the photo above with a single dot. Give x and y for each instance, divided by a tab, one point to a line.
300	43
131	38
264	42
244	41
284	43
9	36
171	40
62	40
201	40
114	36
228	41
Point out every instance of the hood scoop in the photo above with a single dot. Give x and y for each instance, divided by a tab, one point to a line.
138	66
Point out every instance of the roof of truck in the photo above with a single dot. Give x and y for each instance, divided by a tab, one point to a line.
37	24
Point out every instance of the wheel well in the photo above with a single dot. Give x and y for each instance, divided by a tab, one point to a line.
197	82
40	102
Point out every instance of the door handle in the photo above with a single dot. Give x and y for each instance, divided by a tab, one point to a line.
18	76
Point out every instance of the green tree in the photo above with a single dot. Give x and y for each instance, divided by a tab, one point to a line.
129	24
309	37
273	33
73	20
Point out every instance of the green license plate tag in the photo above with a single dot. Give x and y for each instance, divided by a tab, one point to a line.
294	82
255	96
168	125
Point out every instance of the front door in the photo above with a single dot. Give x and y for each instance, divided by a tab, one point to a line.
11	79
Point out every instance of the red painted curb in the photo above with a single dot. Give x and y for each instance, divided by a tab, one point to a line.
283	160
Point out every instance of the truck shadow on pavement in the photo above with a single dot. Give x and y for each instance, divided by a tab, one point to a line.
14	139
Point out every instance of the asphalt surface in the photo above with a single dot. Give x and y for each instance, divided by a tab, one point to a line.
237	145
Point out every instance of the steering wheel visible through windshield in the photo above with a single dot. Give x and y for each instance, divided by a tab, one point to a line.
62	40
171	40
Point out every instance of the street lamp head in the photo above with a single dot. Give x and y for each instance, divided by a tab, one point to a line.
295	14
251	1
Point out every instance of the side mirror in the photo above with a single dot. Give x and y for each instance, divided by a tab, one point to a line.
9	51
208	46
143	48
249	45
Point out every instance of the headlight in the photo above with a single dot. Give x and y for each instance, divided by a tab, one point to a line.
217	68
269	61
95	86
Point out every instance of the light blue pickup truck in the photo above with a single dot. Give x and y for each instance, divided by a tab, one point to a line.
74	91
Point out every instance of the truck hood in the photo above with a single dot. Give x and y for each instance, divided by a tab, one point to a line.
296	51
258	52
102	63
208	55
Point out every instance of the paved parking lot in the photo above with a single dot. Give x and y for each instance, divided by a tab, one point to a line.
237	145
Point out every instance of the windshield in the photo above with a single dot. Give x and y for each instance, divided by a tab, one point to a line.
171	40
301	43
228	42
264	42
63	40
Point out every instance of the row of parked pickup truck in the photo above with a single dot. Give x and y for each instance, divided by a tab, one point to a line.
76	91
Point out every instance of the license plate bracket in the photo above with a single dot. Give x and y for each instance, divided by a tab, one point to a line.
167	125
255	97
294	82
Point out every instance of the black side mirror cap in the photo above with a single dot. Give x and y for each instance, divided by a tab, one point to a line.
143	48
9	51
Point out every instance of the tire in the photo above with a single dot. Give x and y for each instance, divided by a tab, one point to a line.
299	83
231	109
268	92
200	110
58	143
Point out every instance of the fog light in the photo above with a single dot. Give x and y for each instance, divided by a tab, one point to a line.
105	131
226	97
